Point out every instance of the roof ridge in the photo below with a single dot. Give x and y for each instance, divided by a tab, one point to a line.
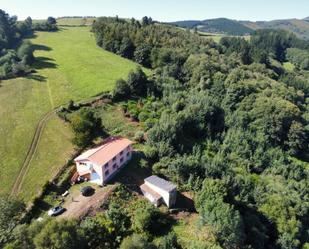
105	143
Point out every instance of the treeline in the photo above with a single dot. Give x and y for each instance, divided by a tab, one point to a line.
16	54
145	42
49	25
225	121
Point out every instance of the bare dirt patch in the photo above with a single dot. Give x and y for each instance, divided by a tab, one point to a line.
78	206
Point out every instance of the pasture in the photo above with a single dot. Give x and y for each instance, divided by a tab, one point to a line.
68	65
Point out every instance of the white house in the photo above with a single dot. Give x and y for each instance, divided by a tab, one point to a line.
158	190
100	164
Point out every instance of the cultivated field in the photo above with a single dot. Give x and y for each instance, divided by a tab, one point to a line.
69	66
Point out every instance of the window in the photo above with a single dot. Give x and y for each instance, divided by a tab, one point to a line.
121	152
121	159
106	166
115	166
114	159
106	172
128	154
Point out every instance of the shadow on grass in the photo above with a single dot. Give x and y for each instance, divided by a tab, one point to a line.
41	47
36	77
42	62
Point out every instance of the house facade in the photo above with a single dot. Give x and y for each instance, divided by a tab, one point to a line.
100	164
158	190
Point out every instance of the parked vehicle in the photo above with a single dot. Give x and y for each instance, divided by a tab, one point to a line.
56	211
87	191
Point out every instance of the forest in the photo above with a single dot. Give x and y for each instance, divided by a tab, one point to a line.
225	120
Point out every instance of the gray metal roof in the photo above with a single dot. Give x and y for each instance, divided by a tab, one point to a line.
160	183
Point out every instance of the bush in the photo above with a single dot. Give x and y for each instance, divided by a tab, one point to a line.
139	136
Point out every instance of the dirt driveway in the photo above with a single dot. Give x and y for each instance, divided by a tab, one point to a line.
78	206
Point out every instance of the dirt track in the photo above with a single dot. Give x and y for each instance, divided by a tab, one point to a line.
30	153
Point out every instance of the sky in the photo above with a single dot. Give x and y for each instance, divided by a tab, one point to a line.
160	10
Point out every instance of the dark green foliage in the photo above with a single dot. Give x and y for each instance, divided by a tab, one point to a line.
99	232
147	219
10	215
16	56
136	241
122	90
85	126
49	25
137	82
169	242
59	235
226	221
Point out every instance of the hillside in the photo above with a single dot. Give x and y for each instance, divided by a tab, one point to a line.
219	25
300	27
297	26
69	65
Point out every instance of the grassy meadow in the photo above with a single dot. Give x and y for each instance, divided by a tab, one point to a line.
63	21
68	65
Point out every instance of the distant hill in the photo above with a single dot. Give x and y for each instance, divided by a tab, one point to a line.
300	27
219	26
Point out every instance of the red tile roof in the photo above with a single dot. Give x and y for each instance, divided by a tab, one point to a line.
106	152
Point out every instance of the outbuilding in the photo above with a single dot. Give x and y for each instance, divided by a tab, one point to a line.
158	190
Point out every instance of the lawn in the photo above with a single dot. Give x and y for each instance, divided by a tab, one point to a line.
69	66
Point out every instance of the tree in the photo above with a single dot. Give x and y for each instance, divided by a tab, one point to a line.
126	48
226	221
121	90
136	241
137	81
59	235
85	126
147	219
11	211
169	242
142	55
51	20
99	232
28	22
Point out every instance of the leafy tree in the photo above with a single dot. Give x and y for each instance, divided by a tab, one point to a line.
136	241
11	211
137	82
99	232
60	234
85	126
51	20
121	90
226	221
142	55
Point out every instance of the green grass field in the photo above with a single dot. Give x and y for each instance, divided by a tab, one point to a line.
75	21
69	66
218	37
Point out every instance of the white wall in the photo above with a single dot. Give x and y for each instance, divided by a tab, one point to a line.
167	197
119	164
